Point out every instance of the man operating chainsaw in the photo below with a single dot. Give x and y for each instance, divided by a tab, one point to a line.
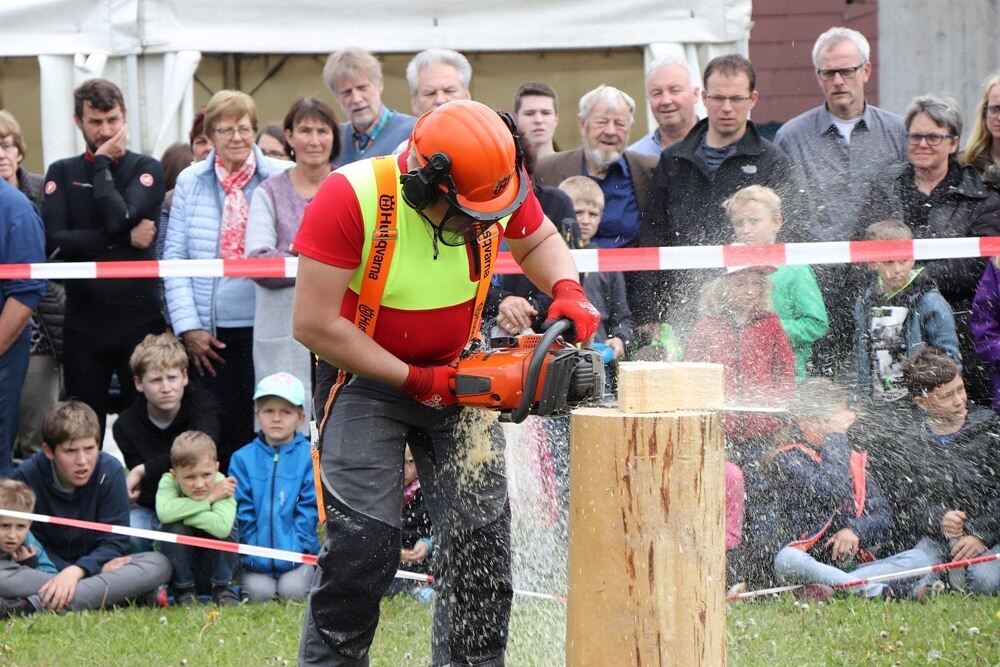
396	255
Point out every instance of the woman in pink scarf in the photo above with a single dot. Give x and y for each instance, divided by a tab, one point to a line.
208	220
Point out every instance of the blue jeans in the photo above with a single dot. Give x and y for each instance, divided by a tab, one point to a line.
983	578
794	566
221	564
144	518
13	368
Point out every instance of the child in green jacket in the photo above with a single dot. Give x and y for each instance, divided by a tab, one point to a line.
194	498
755	214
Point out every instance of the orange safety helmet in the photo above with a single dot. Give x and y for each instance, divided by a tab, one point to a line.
469	153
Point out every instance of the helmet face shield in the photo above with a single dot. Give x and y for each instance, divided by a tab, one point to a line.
516	190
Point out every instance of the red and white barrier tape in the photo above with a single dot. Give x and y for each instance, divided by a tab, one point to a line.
877	579
187	540
218	545
590	260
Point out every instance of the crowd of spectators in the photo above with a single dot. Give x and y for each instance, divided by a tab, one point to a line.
872	362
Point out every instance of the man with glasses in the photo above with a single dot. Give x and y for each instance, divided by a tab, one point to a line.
723	153
838	149
100	207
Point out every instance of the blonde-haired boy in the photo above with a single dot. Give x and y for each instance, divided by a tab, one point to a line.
898	313
18	547
605	289
194	498
165	407
755	215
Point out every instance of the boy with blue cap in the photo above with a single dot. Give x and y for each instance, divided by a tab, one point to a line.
275	494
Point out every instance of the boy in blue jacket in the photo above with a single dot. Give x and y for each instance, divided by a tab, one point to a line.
72	478
899	313
275	494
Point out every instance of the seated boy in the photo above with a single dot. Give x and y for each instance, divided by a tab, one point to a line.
72	478
755	214
194	498
165	407
19	550
897	314
605	289
826	510
942	475
275	493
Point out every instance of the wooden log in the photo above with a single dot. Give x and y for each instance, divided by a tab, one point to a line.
658	386
646	540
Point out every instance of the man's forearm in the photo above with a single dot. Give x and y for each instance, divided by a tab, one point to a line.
548	262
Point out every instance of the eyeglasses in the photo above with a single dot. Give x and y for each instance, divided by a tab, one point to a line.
932	139
844	72
722	99
228	132
992	110
8	146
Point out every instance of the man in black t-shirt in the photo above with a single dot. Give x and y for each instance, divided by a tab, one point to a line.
100	207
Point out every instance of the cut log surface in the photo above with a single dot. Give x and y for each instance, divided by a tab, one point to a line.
657	386
646	539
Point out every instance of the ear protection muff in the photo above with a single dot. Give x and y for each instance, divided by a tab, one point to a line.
511	124
420	186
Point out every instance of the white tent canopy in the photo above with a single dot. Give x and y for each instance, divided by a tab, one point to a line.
152	47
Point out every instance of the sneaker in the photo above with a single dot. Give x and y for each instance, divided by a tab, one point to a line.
184	596
224	596
158	597
11	607
814	592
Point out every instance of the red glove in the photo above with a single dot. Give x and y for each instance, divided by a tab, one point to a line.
431	385
569	301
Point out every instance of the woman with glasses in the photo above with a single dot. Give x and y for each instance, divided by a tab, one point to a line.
938	197
208	219
983	149
11	157
313	139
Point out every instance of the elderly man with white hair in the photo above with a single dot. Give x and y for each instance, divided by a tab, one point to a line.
672	93
436	76
605	118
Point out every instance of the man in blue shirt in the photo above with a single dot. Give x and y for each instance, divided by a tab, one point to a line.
606	117
22	240
372	129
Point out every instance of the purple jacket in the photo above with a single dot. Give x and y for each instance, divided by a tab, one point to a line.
984	322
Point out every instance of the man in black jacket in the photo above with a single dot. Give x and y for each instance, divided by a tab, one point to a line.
723	153
100	206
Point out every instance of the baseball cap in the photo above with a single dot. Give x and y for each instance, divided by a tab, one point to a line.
282	385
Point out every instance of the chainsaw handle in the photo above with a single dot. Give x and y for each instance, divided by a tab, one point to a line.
555	329
568	331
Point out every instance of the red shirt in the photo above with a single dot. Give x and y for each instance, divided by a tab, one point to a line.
333	231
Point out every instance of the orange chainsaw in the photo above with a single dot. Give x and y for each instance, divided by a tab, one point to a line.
530	374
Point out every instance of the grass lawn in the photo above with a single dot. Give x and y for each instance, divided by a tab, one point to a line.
949	630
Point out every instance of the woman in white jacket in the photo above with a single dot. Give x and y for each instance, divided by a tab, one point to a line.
208	218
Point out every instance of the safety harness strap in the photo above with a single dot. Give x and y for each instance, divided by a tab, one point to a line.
376	274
